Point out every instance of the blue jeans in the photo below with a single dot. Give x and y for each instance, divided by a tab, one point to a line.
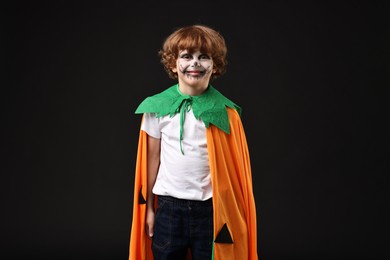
183	225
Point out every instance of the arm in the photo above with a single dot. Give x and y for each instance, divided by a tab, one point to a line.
153	165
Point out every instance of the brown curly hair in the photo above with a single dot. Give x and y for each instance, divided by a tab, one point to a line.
193	38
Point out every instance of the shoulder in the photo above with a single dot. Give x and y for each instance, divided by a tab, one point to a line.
156	102
217	95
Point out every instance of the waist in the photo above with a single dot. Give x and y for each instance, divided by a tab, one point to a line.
187	202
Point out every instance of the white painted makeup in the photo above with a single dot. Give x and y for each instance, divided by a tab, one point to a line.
195	65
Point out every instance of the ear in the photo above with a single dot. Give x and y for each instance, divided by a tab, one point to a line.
174	70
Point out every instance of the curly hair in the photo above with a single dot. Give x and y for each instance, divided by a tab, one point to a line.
194	38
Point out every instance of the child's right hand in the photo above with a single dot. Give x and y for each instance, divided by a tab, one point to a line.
149	225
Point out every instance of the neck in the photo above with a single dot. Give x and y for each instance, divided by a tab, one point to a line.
192	90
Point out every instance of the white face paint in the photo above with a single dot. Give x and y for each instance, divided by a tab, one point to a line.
195	65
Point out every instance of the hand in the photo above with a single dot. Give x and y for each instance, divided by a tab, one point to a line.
149	225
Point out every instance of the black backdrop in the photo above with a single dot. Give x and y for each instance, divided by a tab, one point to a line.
309	77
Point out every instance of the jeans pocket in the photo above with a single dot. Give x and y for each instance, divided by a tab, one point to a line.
160	205
163	225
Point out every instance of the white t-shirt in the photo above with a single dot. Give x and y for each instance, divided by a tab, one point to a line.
184	176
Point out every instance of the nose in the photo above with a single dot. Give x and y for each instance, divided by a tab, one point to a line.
196	63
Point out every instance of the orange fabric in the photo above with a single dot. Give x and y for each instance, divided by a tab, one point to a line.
233	198
140	244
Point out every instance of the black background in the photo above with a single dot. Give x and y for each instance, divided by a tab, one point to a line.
310	77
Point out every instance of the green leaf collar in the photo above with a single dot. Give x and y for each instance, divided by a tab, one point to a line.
210	106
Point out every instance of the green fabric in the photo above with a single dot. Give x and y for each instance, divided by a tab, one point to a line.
210	107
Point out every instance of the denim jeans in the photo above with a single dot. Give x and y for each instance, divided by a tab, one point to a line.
182	225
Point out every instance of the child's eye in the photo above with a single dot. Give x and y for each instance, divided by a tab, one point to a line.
204	57
186	56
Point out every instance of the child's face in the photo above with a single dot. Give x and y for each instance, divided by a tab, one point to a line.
194	67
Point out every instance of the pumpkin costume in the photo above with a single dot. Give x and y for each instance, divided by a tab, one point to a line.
234	211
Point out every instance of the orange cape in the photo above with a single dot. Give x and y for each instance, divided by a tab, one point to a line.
235	228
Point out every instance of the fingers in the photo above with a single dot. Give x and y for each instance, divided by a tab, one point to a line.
149	230
149	225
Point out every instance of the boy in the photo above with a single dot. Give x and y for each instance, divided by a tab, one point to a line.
193	195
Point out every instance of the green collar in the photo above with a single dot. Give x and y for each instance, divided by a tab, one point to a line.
210	107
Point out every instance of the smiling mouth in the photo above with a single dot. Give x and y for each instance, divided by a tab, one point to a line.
195	72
